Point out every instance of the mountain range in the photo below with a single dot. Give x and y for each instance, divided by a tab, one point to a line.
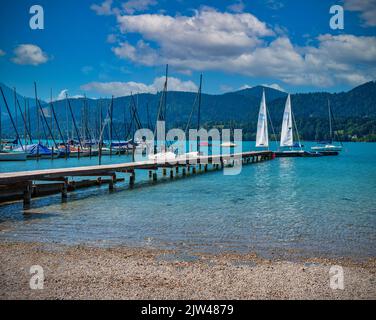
354	112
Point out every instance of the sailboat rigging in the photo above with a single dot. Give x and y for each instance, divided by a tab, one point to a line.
328	148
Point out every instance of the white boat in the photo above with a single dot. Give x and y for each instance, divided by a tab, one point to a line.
262	137
228	144
287	146
327	147
189	155
163	156
12	156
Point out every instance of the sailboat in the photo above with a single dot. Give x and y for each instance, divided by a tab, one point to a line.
194	153
262	137
164	154
8	154
327	148
287	146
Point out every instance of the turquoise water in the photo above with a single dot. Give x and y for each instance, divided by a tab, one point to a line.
296	206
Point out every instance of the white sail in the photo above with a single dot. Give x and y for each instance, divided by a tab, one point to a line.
262	139
286	132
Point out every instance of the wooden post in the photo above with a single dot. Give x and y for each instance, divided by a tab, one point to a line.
199	167
184	172
112	182
194	170
64	189
171	174
27	194
164	171
132	179
154	176
150	174
177	169
205	167
188	169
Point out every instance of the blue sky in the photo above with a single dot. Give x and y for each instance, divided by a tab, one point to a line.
109	47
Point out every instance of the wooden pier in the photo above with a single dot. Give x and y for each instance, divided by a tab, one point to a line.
24	183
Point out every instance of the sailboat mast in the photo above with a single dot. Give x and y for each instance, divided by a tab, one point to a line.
57	123
1	141
66	119
44	116
199	104
74	121
161	115
23	117
29	117
25	124
330	122
15	106
11	118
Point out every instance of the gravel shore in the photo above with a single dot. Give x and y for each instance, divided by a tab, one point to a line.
80	272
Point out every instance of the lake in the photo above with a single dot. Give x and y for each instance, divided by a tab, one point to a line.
289	206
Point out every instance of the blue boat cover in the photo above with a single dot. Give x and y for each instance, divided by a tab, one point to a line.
34	149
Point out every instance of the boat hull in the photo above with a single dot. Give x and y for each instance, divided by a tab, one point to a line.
296	154
328	150
329	153
12	156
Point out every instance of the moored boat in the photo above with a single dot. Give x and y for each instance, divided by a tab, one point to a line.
328	148
287	146
12	156
38	151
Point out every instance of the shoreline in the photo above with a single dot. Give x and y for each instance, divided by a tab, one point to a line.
85	272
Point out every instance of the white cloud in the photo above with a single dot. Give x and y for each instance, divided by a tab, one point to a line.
119	89
237	6
2	53
64	92
104	9
133	6
142	53
275	86
111	38
29	54
367	9
245	86
242	44
274	4
208	31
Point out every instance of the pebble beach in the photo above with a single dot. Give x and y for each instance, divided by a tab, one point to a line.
82	272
